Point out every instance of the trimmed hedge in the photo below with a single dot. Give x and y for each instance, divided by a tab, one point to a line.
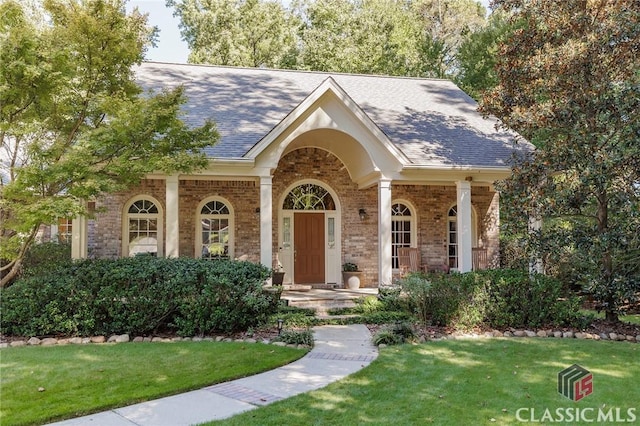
139	295
493	298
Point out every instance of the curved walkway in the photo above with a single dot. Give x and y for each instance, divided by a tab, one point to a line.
339	350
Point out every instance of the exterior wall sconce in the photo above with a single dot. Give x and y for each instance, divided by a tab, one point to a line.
280	323
362	213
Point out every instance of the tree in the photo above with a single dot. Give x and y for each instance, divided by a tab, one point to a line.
477	56
445	24
250	33
569	81
73	122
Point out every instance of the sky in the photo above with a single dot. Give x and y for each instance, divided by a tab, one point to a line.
170	47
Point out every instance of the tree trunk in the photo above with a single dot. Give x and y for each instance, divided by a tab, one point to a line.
607	261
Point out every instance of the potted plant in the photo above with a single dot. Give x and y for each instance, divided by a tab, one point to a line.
277	274
351	276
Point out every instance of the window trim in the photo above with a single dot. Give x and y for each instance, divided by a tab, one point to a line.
125	223
413	220
198	225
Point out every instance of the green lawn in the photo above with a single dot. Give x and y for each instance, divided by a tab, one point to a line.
80	380
469	382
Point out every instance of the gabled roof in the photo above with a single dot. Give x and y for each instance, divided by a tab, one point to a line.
432	122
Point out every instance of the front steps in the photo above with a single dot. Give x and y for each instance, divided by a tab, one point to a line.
322	300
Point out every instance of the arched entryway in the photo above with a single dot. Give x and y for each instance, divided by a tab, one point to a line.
309	233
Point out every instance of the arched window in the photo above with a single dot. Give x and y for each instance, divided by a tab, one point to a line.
452	235
309	196
215	233
403	230
142	227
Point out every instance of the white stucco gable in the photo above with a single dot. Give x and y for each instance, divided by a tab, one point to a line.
329	119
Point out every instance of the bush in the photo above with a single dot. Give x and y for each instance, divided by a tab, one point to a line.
139	295
294	337
395	334
493	298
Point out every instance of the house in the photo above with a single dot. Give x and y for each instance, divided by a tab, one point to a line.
314	170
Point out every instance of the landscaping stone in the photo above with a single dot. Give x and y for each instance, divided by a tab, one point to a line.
557	334
4	345
613	336
75	340
17	343
638	338
112	339
147	339
250	340
541	333
123	338
579	335
530	333
279	344
197	339
567	334
519	333
49	341
63	341
208	339
219	338
604	336
138	339
97	339
496	333
34	341
507	334
239	340
631	339
186	339
176	339
157	339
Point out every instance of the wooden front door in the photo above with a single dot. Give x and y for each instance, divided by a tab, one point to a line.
308	231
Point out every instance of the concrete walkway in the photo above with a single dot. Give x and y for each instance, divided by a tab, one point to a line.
339	350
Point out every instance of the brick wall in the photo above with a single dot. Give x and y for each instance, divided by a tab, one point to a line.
359	238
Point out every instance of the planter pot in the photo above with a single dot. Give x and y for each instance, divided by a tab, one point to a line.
352	280
277	278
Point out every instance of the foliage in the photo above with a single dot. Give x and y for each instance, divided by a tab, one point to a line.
139	295
569	83
43	257
250	33
73	122
350	267
373	37
395	334
295	337
492	298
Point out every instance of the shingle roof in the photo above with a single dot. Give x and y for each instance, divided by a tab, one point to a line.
431	121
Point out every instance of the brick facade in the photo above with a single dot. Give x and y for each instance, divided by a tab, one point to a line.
359	237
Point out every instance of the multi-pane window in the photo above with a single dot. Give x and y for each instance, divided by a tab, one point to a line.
452	237
64	230
215	229
309	197
401	230
143	224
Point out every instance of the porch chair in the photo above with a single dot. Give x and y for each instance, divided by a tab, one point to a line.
408	260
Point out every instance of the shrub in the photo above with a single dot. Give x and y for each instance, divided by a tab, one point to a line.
295	337
139	295
395	334
493	298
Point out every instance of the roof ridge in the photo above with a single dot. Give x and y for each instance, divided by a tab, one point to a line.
283	70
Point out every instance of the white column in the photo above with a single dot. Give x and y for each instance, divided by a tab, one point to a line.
384	232
172	214
465	257
266	221
79	231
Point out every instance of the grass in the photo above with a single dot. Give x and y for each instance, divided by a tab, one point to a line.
79	380
465	382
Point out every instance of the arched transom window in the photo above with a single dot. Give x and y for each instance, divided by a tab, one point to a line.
216	230
402	229
143	228
309	196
